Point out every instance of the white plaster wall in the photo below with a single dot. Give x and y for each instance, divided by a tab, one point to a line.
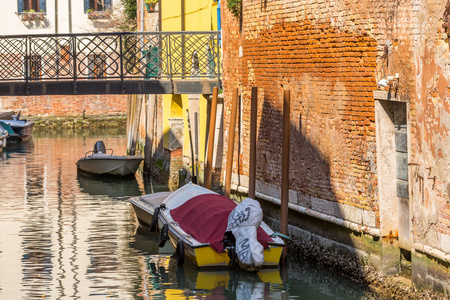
11	23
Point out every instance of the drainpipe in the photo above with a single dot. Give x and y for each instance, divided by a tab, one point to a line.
70	16
160	15
142	16
183	27
56	17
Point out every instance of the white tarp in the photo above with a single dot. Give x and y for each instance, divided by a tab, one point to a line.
243	222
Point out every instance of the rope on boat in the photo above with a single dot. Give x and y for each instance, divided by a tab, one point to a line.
281	236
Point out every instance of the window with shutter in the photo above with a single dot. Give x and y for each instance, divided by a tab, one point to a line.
98	9
31	6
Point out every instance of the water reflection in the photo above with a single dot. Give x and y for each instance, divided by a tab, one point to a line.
162	279
108	186
69	237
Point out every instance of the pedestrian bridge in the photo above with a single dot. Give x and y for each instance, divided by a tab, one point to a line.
110	63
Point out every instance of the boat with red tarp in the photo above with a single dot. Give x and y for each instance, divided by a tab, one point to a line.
209	229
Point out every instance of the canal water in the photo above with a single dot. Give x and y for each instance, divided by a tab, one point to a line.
66	236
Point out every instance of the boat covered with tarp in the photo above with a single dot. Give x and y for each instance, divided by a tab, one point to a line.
209	229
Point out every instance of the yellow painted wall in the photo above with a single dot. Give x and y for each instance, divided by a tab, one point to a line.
200	15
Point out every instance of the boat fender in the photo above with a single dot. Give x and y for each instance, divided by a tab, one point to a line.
163	206
163	235
179	253
154	222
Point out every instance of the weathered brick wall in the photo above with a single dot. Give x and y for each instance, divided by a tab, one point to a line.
66	105
430	128
330	56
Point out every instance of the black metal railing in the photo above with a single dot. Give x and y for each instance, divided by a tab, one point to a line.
112	56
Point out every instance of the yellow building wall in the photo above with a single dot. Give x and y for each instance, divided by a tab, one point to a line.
200	15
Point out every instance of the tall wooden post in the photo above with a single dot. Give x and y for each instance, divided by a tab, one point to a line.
212	131
231	143
252	161
285	165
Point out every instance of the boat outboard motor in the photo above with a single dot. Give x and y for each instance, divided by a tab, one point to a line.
243	222
99	147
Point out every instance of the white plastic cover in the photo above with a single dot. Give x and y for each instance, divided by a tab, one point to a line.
243	222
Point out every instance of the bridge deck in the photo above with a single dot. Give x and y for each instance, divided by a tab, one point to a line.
110	63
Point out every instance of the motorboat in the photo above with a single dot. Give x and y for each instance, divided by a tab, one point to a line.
4	133
99	162
6	114
22	128
210	230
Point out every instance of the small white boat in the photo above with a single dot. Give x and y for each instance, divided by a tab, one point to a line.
99	162
209	229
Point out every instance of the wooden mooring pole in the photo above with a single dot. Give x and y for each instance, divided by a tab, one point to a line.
212	131
285	165
252	160
230	153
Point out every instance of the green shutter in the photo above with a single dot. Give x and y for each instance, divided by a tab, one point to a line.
152	69
19	6
42	6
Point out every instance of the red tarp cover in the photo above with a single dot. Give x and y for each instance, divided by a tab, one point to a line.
205	218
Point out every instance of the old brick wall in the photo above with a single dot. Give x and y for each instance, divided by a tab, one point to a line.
430	129
329	54
66	105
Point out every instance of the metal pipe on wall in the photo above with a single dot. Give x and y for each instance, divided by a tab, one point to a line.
142	15
285	165
56	17
230	153
252	161
70	16
212	131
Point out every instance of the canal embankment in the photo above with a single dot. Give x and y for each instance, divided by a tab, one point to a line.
78	122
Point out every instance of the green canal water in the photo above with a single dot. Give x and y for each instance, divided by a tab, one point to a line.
66	236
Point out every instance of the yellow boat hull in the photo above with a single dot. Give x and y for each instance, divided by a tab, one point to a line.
208	257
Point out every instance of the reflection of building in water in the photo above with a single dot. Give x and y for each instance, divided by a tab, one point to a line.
57	241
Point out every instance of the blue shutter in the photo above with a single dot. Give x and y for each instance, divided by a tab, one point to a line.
41	5
19	6
108	4
86	5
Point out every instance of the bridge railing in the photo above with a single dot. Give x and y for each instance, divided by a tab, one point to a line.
111	56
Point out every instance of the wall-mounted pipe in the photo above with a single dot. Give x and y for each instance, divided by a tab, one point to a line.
56	17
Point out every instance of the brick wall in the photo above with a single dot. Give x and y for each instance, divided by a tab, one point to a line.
66	105
330	56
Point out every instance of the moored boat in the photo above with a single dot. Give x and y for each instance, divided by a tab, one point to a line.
99	162
4	132
210	230
22	128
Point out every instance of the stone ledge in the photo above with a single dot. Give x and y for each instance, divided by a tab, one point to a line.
315	214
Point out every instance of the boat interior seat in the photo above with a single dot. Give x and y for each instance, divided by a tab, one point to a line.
99	147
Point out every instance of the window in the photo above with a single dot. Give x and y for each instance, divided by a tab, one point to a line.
97	5
30	5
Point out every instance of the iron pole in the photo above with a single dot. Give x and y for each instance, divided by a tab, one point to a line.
285	165
212	131
231	143
253	124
